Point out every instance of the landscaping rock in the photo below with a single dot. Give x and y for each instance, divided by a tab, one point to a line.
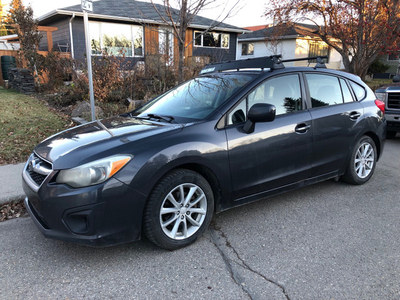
83	110
135	103
21	80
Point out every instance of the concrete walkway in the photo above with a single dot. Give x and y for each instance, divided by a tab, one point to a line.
11	183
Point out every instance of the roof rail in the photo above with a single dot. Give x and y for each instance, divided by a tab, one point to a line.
273	62
267	62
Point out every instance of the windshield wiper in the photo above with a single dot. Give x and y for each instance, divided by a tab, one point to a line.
168	119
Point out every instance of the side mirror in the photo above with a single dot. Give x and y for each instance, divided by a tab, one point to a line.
258	113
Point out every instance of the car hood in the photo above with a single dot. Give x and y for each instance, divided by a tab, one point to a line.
121	129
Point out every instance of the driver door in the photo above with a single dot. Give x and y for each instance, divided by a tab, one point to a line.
277	153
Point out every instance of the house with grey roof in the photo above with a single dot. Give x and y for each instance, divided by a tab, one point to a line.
135	29
290	42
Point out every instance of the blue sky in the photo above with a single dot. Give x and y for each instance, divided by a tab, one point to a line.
249	12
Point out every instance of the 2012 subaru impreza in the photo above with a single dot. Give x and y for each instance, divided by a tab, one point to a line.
239	132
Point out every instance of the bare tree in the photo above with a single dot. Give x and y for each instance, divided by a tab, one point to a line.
360	30
182	17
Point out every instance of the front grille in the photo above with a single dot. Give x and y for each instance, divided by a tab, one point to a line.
36	171
37	178
393	100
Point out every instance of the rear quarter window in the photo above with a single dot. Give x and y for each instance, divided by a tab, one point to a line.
358	90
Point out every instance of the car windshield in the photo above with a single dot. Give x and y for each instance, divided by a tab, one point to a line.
193	100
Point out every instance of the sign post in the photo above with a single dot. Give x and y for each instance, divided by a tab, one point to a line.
87	6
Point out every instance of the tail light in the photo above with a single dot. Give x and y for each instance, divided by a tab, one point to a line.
381	105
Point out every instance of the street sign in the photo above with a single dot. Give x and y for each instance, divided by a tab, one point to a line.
87	5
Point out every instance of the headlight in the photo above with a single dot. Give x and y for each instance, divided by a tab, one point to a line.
381	96
94	172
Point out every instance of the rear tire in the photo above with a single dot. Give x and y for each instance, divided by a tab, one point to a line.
178	210
362	162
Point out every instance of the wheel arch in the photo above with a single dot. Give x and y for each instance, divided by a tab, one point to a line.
377	142
211	178
204	171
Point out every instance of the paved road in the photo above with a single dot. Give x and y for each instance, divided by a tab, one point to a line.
327	241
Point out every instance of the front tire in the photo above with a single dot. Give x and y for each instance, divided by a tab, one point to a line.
178	210
362	162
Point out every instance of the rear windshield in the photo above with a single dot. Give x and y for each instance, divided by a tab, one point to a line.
195	99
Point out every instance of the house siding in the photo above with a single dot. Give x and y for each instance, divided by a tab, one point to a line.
150	43
393	64
60	37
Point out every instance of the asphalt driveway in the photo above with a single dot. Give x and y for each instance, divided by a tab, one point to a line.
327	241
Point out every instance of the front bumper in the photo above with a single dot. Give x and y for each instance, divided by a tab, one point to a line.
102	215
393	122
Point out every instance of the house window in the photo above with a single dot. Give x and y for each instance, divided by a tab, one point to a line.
318	48
394	56
166	45
116	39
247	49
211	39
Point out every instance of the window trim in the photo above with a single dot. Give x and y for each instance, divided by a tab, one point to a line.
168	48
132	41
394	53
247	43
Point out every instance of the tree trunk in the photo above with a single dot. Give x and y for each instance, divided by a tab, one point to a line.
182	38
181	62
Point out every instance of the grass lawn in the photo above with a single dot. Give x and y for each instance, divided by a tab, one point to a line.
376	83
24	122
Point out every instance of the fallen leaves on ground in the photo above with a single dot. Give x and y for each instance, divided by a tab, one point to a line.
12	210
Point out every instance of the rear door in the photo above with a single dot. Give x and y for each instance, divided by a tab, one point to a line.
277	153
336	121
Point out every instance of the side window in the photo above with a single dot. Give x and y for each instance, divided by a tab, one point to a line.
324	90
347	97
359	91
284	92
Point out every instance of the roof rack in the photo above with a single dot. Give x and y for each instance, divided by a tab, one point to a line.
272	62
320	60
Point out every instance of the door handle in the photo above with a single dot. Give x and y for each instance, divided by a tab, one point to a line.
302	128
354	115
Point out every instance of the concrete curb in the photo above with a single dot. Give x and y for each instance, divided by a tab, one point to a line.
11	183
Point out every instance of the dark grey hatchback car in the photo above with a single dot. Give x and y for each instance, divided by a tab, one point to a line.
239	132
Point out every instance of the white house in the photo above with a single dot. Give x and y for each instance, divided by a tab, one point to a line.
290	44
